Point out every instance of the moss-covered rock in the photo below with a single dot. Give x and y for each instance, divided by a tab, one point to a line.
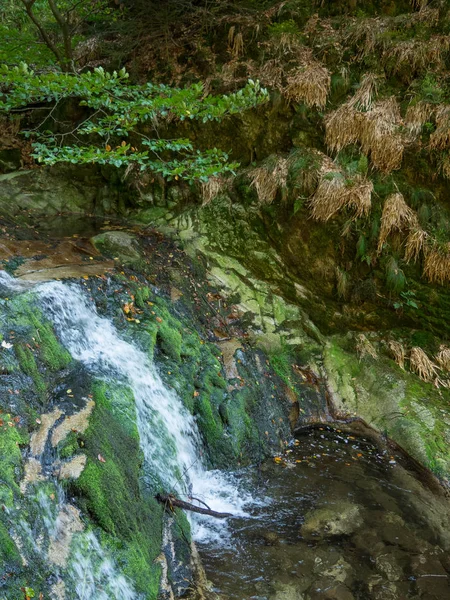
397	403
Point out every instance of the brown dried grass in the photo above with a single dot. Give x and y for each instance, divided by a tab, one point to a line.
342	127
334	194
379	135
417	115
398	352
422	365
443	357
363	99
440	138
436	266
396	216
309	83
414	56
415	243
212	188
364	347
267	180
235	42
445	166
375	130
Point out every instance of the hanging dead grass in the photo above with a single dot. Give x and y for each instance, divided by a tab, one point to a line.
445	166
398	352
440	138
267	180
413	56
417	115
364	34
334	194
212	188
396	216
423	366
376	130
443	357
342	283
235	42
342	127
419	4
415	244
436	266
363	98
310	83
379	135
364	347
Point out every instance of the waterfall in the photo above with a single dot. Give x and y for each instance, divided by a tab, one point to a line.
169	435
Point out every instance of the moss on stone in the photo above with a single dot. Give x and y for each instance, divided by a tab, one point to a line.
28	365
111	491
170	340
9	555
10	458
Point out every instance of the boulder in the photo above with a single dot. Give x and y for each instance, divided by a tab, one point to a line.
340	518
119	245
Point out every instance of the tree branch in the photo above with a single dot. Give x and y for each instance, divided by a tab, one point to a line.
67	39
28	7
171	501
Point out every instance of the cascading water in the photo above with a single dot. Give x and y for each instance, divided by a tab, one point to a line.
169	435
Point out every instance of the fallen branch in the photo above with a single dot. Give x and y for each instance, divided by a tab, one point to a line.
172	502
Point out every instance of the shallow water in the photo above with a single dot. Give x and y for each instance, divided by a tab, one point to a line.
387	548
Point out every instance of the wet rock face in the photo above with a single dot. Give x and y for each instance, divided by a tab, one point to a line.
118	244
341	518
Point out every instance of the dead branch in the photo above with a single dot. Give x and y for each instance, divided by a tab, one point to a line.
171	502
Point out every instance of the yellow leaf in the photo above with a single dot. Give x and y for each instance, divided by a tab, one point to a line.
108	148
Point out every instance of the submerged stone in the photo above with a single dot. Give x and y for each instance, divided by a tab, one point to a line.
340	518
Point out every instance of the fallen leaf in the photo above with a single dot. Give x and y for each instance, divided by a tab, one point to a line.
159	319
101	459
6	345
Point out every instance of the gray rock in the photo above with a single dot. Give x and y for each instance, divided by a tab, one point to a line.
118	244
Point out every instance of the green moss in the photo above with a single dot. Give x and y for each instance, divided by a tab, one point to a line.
28	365
111	493
51	351
8	552
170	340
10	459
142	294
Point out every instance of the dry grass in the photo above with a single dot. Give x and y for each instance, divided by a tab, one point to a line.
364	34
375	130
397	216
379	135
235	42
310	83
333	194
364	347
437	263
443	357
413	56
341	283
212	188
445	166
398	352
363	99
415	243
342	127
440	138
423	366
267	180
417	115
